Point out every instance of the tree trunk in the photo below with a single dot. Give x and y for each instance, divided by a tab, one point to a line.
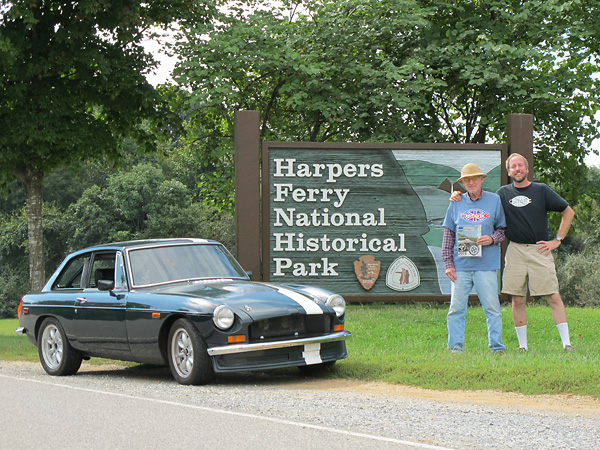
32	180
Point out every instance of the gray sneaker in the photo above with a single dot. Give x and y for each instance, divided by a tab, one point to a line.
569	348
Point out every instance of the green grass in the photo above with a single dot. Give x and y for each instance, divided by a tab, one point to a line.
406	344
13	346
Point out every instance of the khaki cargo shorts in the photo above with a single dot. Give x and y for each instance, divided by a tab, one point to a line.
523	267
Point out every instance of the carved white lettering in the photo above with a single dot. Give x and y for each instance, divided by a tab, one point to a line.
301	195
323	268
331	171
292	242
289	217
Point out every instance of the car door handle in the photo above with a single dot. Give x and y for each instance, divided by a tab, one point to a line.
81	299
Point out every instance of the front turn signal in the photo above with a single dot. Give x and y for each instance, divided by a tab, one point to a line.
237	339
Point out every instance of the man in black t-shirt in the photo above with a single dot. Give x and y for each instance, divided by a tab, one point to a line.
529	262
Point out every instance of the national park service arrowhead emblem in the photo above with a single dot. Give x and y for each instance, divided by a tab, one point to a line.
367	271
403	275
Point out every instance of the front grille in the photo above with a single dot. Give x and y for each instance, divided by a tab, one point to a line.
290	327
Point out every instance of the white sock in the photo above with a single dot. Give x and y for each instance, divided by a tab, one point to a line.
522	336
563	330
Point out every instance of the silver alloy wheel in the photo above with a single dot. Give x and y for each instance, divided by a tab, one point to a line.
52	346
182	353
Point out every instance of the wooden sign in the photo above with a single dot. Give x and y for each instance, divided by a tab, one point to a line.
363	219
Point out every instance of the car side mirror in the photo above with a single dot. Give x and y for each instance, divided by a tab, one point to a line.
105	285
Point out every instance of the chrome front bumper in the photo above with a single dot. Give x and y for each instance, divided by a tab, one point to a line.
243	348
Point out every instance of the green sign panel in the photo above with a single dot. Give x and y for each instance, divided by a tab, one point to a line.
364	221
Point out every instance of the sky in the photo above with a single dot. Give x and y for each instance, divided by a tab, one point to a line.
166	63
593	160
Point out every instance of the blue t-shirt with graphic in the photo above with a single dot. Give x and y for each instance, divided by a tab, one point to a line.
486	213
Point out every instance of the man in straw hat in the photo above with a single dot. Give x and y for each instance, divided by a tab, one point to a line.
473	228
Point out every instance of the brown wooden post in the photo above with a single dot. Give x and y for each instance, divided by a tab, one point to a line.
519	137
247	191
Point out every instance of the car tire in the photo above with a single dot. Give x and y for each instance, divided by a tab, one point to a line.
188	357
56	354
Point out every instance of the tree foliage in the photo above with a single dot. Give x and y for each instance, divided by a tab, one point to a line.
142	203
72	84
71	78
586	224
138	201
404	71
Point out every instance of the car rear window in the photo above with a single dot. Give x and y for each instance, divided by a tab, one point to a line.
71	275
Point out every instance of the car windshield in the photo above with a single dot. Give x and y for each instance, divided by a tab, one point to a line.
167	264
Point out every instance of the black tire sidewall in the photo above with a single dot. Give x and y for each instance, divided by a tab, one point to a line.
202	371
71	359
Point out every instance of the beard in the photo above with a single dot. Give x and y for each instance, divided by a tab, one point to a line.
519	177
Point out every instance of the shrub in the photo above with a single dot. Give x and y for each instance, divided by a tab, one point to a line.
578	278
195	220
13	285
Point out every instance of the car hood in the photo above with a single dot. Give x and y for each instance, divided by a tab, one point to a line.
258	300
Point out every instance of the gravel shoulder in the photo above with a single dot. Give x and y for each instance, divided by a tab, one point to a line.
569	404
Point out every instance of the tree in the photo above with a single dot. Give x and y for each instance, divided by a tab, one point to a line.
14	272
142	204
499	57
405	71
72	84
203	154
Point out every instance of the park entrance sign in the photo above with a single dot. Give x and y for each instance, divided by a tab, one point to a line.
363	220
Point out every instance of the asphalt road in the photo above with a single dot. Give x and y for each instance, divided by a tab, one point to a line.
52	415
92	410
112	407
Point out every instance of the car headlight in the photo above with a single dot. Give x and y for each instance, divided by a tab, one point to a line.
223	317
337	303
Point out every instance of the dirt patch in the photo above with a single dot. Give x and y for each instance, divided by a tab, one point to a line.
568	404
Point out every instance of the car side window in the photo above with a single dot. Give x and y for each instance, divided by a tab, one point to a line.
72	275
103	268
120	278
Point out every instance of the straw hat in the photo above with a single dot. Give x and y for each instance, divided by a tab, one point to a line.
470	170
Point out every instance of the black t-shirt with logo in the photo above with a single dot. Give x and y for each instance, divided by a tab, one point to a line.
526	211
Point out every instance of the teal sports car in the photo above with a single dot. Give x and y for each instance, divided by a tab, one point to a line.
185	303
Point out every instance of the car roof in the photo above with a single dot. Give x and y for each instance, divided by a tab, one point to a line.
147	243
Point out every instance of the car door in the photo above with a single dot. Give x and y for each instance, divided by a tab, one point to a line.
67	287
99	315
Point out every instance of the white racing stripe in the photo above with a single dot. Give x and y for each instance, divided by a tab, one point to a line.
309	306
